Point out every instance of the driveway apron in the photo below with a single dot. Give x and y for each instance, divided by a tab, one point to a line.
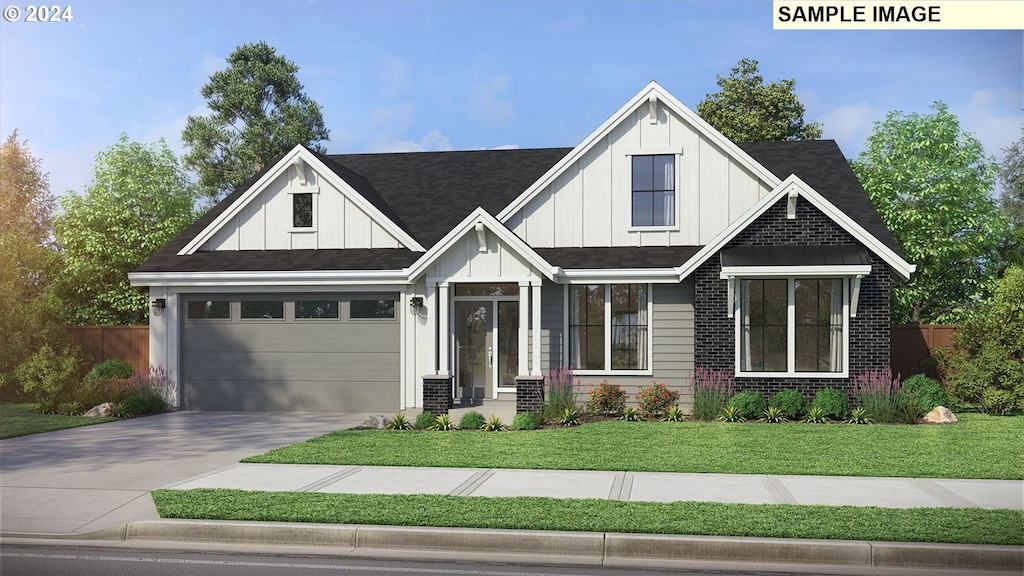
95	477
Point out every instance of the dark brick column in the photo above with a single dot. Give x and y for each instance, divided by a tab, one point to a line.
529	393
437	394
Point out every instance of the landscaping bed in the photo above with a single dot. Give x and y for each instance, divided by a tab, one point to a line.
21	419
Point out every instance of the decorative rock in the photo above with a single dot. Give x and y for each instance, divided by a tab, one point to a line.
940	415
100	411
375	422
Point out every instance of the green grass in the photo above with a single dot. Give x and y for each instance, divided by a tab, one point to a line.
980	446
947	525
20	420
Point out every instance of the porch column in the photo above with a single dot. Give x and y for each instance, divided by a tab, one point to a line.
536	329
443	332
524	328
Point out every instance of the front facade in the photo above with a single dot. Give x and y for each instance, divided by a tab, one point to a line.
382	282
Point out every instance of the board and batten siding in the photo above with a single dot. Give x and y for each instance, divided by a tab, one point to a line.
590	203
266	222
673	340
465	261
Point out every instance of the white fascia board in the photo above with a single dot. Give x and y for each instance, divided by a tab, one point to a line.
270	278
793	271
468	226
619	276
300	153
653	89
794	184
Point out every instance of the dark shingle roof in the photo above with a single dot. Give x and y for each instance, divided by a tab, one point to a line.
795	256
821	164
428	193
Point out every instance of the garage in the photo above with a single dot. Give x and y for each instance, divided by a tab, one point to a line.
307	353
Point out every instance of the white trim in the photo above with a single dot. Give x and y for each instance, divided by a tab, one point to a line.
655	151
269	278
300	153
535	302
523	368
795	184
620	276
653	89
855	295
793	271
469	224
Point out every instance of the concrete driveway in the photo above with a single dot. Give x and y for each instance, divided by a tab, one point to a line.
96	477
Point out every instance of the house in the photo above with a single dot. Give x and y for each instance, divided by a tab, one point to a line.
382	282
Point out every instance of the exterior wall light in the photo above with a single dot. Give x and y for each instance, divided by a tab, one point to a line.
416	304
158	306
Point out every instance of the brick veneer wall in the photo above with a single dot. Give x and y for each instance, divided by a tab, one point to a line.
437	394
715	332
529	394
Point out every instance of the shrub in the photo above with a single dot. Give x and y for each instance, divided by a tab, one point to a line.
48	375
494	424
711	389
655	399
607	399
748	404
398	422
832	402
444	423
732	414
569	417
525	421
425	420
790	402
816	415
772	415
674	414
471	421
878	393
909	409
629	414
859	416
111	368
559	392
144	401
927	392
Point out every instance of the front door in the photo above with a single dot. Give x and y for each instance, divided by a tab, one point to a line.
474	349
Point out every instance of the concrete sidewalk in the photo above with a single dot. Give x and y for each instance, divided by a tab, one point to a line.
628	486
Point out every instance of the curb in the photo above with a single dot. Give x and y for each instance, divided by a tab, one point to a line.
573	548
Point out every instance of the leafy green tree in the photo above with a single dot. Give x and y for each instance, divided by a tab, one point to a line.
931	182
27	260
748	110
140	198
1011	175
259	111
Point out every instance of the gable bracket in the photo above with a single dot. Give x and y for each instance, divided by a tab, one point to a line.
481	236
791	204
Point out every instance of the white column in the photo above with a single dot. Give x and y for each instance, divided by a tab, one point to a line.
536	329
444	335
431	331
524	328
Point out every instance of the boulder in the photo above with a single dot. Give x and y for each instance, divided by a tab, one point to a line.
375	422
940	415
100	411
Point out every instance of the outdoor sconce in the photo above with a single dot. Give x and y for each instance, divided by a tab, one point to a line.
158	306
416	304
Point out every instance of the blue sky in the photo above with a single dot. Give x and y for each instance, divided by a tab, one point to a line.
398	76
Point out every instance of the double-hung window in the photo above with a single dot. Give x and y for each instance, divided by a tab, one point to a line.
654	190
794	326
608	326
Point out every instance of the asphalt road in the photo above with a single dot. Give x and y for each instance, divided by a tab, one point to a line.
49	561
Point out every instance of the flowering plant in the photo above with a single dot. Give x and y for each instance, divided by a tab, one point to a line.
607	399
655	399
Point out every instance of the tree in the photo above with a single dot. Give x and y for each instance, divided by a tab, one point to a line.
259	111
1011	175
931	182
748	110
140	198
27	259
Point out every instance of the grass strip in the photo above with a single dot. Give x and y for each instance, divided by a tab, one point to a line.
942	525
20	420
980	446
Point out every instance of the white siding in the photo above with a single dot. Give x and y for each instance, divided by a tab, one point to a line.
590	203
465	261
265	223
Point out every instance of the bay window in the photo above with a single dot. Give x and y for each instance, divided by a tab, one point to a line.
608	326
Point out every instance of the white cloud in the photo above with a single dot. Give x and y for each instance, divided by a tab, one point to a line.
994	116
850	125
506	147
206	66
433	141
486	105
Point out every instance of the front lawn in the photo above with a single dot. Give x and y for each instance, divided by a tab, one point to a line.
947	525
980	446
20	420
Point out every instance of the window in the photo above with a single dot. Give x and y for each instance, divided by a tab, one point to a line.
794	325
371	309
316	309
654	190
209	310
263	309
608	327
302	210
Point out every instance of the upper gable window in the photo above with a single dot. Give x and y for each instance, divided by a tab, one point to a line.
654	190
302	210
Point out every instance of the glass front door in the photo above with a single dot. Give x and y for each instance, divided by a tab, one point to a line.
486	345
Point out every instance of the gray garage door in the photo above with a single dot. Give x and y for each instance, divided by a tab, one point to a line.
319	353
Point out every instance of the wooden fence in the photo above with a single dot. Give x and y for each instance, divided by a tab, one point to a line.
911	347
126	343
